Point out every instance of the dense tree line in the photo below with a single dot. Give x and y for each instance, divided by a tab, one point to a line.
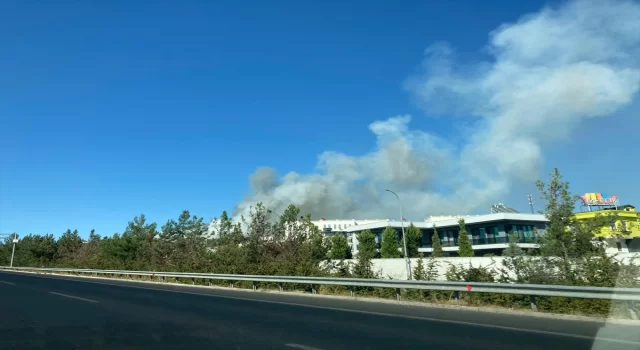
290	244
287	245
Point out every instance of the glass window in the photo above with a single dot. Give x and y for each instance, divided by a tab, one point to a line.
451	235
519	231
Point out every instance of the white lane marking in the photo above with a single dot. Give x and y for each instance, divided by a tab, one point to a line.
11	283
300	346
481	325
72	297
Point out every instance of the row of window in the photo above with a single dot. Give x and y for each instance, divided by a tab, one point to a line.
623	227
482	235
336	226
478	235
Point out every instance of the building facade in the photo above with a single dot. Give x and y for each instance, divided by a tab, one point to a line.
331	225
623	231
487	233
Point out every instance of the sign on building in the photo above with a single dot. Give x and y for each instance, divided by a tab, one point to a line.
599	199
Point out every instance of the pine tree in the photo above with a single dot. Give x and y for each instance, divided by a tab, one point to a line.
366	252
513	249
339	247
68	244
389	247
419	271
431	270
225	225
567	246
436	247
464	244
414	236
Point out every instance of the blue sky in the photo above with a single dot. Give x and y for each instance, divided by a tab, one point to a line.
112	109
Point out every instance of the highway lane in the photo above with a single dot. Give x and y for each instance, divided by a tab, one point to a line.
65	312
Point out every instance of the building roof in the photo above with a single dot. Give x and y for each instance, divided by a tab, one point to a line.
454	222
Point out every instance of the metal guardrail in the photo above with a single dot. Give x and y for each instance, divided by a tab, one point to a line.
533	290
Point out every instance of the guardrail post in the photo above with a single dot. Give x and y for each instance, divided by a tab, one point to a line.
193	281
532	300
398	294
313	289
253	284
632	312
456	294
351	290
281	289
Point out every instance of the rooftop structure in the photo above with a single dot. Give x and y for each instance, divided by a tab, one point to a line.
446	217
501	208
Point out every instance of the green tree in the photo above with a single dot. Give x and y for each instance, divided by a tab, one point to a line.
464	244
431	270
339	247
94	238
88	255
419	272
68	244
34	250
557	241
135	245
414	236
225	226
568	246
227	246
190	251
513	249
366	252
389	247
226	232
436	247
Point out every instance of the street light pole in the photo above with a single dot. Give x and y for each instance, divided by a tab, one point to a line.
404	238
13	251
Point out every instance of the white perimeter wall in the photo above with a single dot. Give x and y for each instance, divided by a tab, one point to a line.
396	268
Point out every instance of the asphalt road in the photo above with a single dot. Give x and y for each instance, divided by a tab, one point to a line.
60	312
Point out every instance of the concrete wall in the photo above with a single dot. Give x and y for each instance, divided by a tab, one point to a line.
396	268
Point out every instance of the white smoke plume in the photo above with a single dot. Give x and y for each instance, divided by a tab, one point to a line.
544	75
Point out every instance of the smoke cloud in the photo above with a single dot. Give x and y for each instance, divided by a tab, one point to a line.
545	74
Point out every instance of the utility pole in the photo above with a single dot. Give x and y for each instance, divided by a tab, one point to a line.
404	238
530	197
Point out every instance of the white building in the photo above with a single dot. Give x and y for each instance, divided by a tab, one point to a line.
342	225
488	233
